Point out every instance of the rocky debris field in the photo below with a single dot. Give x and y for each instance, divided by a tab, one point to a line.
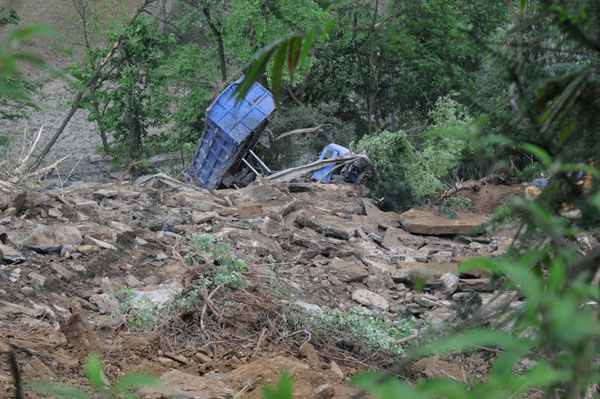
219	292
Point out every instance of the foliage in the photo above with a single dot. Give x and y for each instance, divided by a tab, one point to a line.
370	330
224	268
422	162
122	388
133	98
135	310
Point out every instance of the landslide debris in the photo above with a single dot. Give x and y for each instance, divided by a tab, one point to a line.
87	267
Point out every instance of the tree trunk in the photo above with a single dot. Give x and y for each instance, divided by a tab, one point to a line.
220	47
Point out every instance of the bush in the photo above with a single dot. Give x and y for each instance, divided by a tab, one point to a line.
371	330
420	162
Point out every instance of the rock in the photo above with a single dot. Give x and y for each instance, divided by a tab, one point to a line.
37	279
9	255
10	212
184	385
55	213
450	282
132	281
203	217
410	271
77	329
263	245
102	244
349	269
27	291
102	193
336	370
38	369
327	224
309	307
443	257
152	280
62	271
311	355
421	221
161	256
475	284
86	249
432	367
325	391
395	238
202	358
52	238
440	316
370	299
178	357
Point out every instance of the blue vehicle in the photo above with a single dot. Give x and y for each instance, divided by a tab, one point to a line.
332	151
231	132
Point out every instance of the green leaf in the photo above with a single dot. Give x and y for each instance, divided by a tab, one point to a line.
474	339
389	388
542	374
285	388
487	264
308	42
461	133
294	55
93	370
595	200
58	390
523	5
257	66
276	72
540	153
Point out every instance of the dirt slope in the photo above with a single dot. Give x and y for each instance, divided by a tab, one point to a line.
310	249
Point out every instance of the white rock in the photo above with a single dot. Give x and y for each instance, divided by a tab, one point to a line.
369	298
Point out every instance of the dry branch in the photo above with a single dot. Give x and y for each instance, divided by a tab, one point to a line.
302	131
48	168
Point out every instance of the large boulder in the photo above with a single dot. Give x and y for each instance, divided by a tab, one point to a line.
427	221
52	238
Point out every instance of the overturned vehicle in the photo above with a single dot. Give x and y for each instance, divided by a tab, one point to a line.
225	156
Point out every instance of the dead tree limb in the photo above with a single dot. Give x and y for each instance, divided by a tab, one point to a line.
86	88
302	131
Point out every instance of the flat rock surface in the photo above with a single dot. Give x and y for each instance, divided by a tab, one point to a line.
427	221
370	299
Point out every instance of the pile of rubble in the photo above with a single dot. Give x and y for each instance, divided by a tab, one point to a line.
64	252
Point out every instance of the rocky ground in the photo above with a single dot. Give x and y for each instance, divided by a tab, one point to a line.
96	266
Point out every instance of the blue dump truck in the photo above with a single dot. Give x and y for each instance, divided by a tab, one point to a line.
231	132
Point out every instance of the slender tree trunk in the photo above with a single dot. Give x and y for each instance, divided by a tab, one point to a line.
372	87
85	91
220	47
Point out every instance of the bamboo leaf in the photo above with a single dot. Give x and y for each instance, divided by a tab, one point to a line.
276	72
285	388
256	66
540	153
308	42
58	390
294	55
93	370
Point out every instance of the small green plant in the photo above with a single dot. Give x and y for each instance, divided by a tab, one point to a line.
459	203
136	310
225	269
123	388
371	329
502	215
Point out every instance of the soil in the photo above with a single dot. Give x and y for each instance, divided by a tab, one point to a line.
57	307
486	200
